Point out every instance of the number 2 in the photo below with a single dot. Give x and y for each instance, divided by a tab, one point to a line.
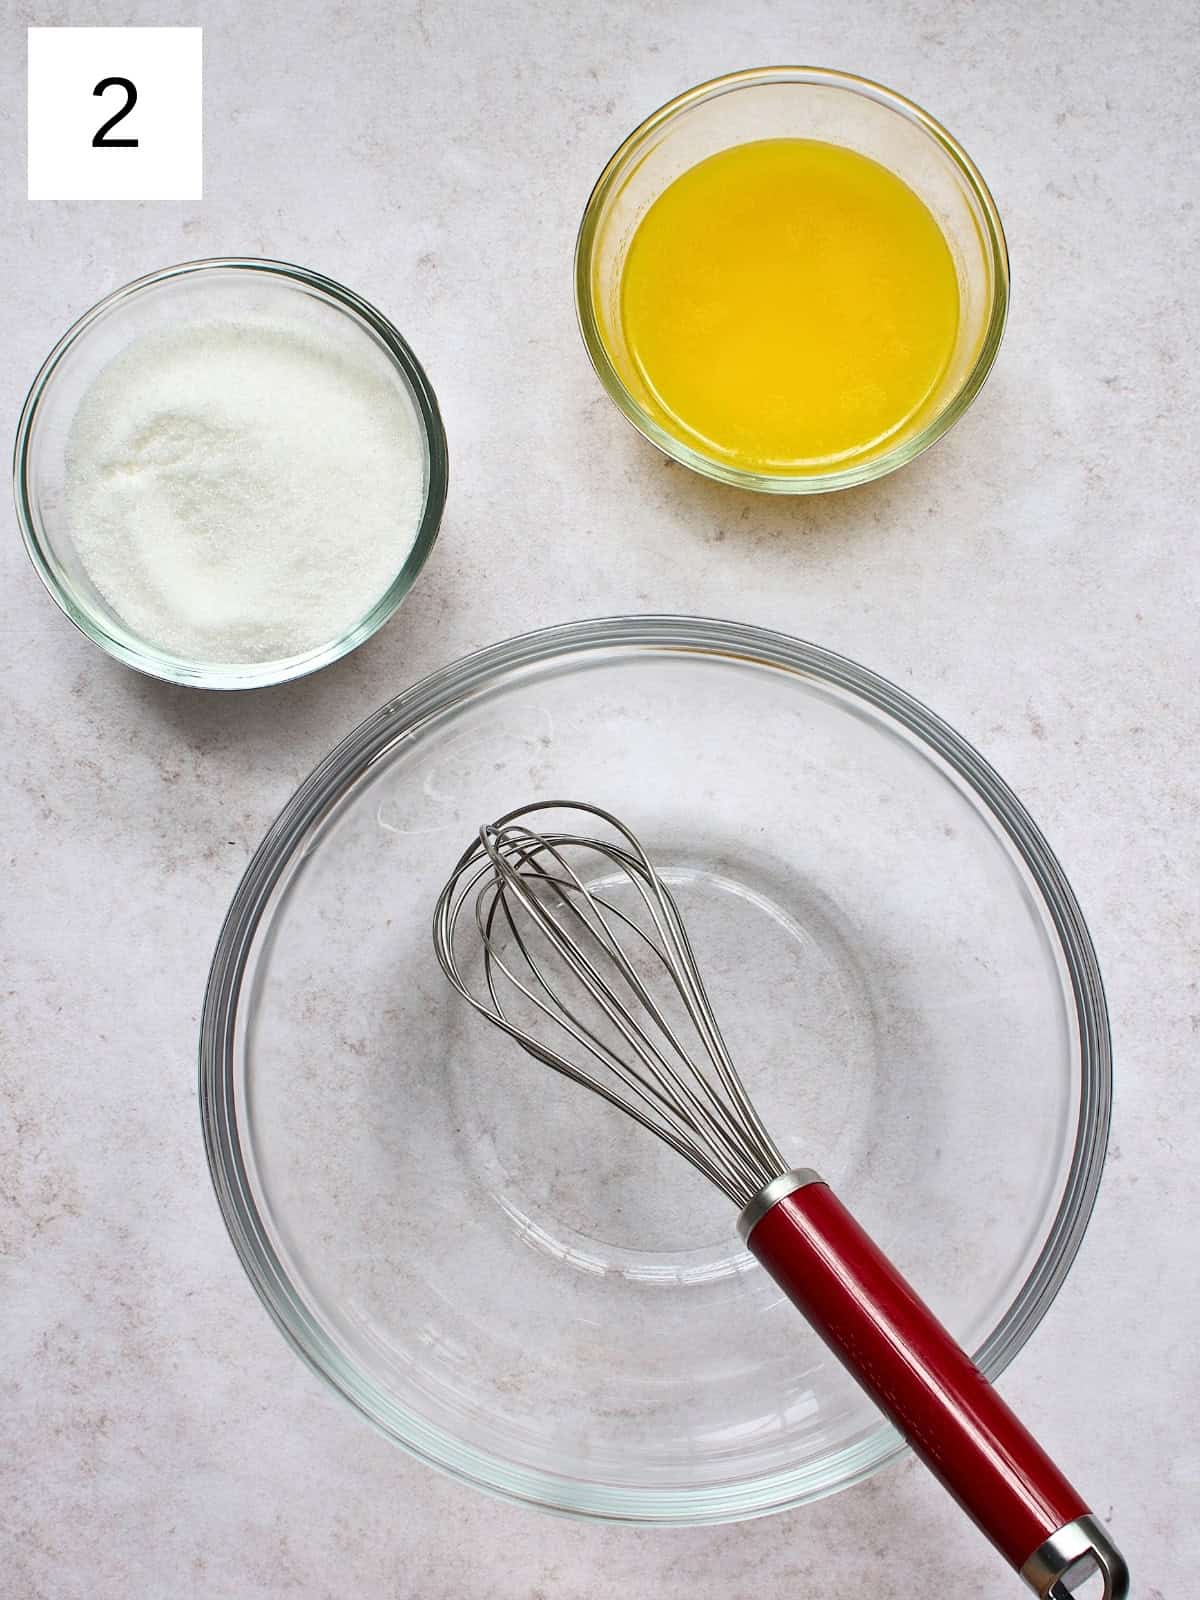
99	139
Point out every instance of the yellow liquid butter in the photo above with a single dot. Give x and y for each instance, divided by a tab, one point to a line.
787	306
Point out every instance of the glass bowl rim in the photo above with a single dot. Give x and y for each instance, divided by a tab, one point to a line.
323	789
905	450
161	665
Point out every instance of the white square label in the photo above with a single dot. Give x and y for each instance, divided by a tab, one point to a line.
115	114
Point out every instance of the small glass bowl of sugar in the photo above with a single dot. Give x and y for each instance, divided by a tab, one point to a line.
229	473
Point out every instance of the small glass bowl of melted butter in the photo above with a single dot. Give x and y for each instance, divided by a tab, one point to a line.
791	279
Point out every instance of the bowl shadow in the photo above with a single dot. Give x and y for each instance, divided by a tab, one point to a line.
307	715
819	525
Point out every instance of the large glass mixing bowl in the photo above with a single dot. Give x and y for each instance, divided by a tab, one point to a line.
501	1271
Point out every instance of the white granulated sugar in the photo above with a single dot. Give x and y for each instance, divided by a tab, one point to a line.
244	491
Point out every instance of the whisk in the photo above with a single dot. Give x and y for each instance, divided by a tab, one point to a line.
530	932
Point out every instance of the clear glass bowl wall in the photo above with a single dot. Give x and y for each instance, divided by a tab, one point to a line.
499	1270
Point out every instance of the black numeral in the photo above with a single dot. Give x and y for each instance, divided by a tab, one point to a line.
99	138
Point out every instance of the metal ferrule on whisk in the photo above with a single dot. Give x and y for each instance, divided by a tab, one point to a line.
771	1194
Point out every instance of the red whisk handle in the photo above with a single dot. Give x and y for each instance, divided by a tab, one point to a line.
928	1387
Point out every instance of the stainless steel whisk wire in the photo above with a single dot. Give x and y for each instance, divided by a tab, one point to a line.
519	882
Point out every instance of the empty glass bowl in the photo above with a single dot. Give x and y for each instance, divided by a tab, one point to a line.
809	103
221	288
498	1269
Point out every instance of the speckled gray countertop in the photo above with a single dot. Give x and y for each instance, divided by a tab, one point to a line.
1033	578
